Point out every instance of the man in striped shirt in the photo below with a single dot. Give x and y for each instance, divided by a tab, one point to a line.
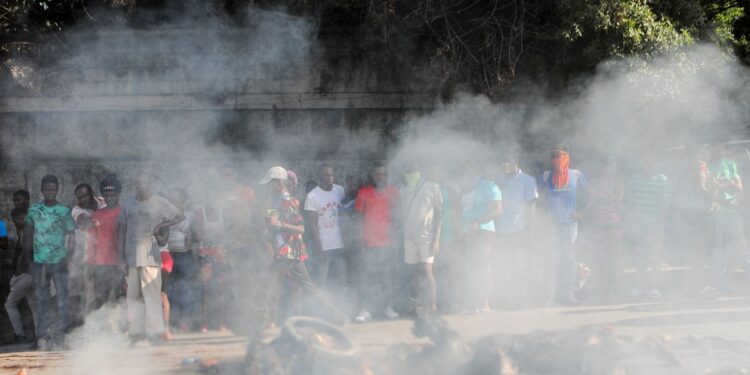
646	197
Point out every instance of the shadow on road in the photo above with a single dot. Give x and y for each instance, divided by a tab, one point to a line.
720	304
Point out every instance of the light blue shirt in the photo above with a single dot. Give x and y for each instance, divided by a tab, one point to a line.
518	191
477	202
562	202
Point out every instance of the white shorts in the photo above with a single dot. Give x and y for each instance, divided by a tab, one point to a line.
417	252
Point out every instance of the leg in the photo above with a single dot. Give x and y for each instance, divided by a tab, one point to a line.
484	258
59	274
19	288
165	312
300	279
567	267
136	307
425	281
41	287
370	284
151	290
165	307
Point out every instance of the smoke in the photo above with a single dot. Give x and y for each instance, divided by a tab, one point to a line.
184	101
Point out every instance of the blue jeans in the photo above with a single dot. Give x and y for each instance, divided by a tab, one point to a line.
43	274
567	274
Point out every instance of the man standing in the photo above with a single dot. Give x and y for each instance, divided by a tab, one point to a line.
379	257
481	204
724	187
49	226
21	284
78	283
102	256
21	199
421	203
519	196
283	240
183	290
646	196
561	185
141	219
322	206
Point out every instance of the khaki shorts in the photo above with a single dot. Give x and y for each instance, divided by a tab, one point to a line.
417	252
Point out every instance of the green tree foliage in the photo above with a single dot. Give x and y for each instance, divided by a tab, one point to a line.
479	46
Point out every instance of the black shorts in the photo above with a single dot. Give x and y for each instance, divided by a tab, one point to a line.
166	281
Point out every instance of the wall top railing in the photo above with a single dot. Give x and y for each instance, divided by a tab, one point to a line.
220	102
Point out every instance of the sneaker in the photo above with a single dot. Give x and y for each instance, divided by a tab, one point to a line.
635	292
363	316
653	293
390	313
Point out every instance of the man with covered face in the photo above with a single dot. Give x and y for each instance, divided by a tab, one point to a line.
561	186
140	220
421	204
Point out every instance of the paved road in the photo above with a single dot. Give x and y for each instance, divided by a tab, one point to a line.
696	328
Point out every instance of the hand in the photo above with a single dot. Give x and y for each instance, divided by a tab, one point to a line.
274	221
435	247
577	215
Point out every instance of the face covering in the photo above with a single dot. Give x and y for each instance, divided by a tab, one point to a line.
560	166
412	179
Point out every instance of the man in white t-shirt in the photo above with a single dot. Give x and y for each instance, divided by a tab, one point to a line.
322	206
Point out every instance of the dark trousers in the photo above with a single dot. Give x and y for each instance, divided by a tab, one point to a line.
183	288
107	281
332	268
479	256
378	277
44	274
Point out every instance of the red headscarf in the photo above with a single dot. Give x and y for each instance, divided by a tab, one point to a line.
560	167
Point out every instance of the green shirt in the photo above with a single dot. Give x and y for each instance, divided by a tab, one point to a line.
725	170
51	225
647	197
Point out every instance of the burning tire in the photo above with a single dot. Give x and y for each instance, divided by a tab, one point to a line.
320	338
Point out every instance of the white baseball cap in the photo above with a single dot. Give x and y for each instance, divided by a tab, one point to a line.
274	172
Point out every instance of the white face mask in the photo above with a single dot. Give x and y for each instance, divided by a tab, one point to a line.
412	179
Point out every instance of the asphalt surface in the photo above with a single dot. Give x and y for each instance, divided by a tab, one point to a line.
702	336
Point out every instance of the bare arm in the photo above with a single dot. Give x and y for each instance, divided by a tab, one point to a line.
71	238
312	217
83	220
122	231
28	243
495	210
169	222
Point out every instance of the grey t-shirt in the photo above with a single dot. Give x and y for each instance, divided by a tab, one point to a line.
420	208
141	217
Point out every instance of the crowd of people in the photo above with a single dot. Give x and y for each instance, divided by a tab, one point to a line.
177	262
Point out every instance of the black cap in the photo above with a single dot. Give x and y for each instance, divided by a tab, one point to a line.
110	183
50	179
